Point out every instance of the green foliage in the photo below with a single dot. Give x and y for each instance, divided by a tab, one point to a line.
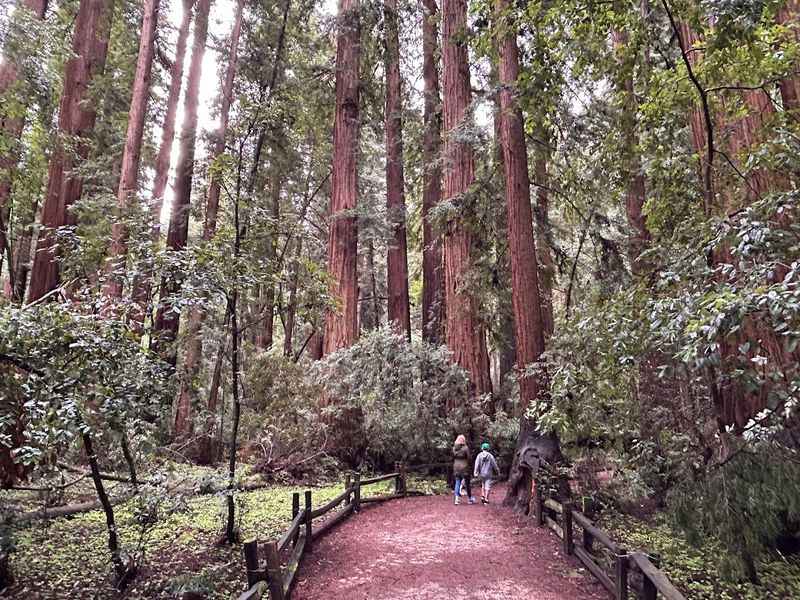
66	373
399	391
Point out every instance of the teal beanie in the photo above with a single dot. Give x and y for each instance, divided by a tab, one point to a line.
485	446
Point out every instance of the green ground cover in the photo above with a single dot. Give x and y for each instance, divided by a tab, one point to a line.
68	558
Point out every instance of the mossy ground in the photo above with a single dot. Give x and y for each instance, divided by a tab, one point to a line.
696	571
68	557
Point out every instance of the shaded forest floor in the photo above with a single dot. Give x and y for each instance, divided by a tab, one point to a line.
68	557
461	550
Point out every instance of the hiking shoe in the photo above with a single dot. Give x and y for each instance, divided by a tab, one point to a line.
484	501
472	500
456	501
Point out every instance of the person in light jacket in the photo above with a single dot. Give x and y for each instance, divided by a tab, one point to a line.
486	468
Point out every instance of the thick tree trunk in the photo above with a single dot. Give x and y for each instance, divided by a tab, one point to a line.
433	308
164	158
734	404
10	130
398	309
465	333
166	325
76	119
547	266
789	16
639	236
528	324
187	378
341	324
505	342
129	175
142	286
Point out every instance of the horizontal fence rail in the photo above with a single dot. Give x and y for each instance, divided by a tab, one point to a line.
562	518
270	578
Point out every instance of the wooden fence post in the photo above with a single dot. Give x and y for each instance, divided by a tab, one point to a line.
357	492
621	572
295	512
403	488
251	562
309	519
649	590
347	483
569	544
538	508
274	573
397	484
588	540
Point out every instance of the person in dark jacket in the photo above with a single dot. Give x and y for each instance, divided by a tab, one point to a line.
461	468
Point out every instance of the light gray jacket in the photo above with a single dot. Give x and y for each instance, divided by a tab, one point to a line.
486	466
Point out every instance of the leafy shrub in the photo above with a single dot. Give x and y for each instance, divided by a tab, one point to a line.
394	395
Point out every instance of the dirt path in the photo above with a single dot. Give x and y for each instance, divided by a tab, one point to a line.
426	548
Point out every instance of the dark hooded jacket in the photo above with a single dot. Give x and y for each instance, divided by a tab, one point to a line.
461	460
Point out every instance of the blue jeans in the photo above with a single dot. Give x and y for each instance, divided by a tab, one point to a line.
459	481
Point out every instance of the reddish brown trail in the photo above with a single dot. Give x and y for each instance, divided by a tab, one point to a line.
426	548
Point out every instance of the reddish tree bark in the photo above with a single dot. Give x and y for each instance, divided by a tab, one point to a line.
465	333
547	266
433	307
142	286
790	87
639	237
76	119
187	377
164	158
528	323
165	328
11	128
398	310
341	324
129	174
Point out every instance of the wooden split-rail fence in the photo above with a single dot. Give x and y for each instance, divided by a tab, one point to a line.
629	571
565	521
270	578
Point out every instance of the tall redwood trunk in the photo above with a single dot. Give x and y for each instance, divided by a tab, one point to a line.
166	325
505	343
129	174
341	323
735	405
188	375
547	266
76	119
398	310
164	158
11	127
143	284
789	16
433	307
528	324
465	333
632	162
